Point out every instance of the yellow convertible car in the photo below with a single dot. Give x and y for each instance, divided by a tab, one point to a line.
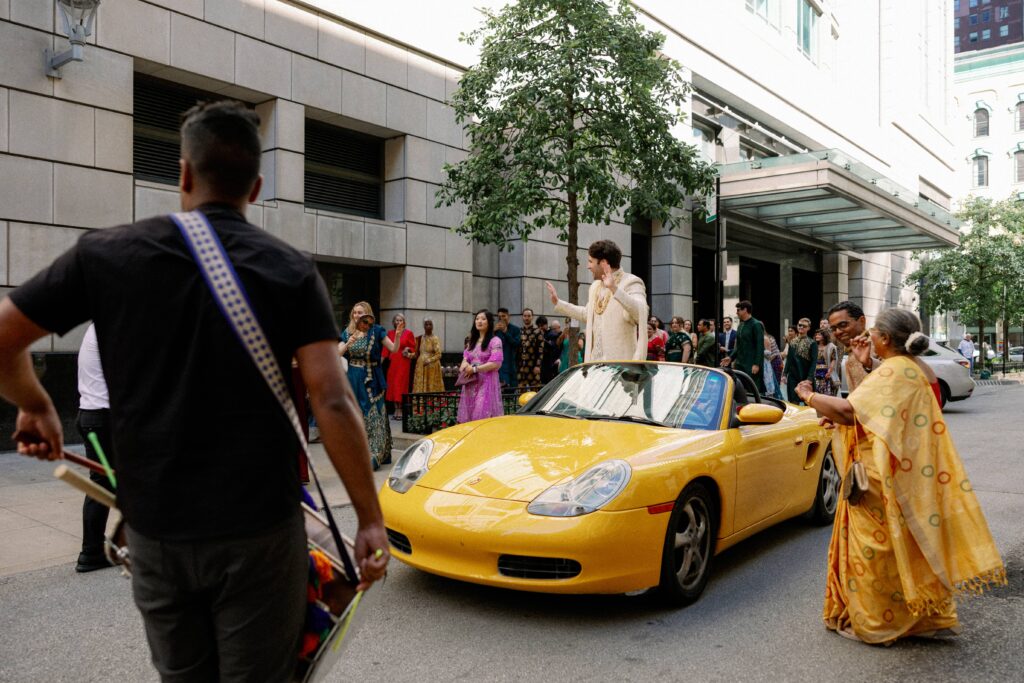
615	478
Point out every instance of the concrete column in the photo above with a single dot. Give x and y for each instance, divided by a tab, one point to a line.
834	279
283	134
731	297
671	285
785	296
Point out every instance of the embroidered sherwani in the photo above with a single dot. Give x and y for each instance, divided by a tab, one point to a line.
613	322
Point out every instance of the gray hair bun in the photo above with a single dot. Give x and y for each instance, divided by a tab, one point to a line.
903	328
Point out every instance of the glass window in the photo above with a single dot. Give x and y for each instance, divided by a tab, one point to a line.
680	396
1018	167
973	19
956	22
986	16
807	28
1019	116
1002	13
156	128
974	3
956	41
956	5
980	122
1004	30
981	171
973	37
344	170
986	34
758	7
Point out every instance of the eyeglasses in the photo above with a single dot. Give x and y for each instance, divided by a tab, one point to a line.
803	325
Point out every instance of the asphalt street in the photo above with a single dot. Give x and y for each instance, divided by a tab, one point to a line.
759	620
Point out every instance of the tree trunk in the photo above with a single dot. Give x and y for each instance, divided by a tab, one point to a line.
981	345
572	263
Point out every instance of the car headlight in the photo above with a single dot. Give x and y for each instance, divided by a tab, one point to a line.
410	466
590	491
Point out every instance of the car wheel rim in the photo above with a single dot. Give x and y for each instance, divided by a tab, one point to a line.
692	543
830	481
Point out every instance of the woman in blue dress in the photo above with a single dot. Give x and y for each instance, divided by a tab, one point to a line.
361	345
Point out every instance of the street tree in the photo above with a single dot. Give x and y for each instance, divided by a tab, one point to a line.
570	115
983	278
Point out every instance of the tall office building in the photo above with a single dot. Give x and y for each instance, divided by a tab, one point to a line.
981	24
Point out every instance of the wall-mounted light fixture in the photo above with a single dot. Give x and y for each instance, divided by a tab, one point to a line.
77	17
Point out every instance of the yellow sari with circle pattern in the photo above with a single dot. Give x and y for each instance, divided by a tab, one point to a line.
918	538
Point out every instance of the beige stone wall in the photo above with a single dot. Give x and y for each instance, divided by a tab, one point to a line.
66	145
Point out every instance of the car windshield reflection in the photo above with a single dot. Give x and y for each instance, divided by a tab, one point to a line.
678	396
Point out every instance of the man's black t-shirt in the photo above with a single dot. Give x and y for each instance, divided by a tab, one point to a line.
203	448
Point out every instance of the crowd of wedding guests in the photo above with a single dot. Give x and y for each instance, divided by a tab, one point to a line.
384	365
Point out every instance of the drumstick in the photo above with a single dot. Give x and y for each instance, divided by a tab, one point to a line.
89	488
27	438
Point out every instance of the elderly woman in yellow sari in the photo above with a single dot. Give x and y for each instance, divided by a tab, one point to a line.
428	376
917	538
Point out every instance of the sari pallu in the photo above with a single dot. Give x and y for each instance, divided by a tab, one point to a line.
918	539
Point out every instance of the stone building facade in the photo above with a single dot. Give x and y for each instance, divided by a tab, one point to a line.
773	80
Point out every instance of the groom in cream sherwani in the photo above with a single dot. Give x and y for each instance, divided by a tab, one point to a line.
616	310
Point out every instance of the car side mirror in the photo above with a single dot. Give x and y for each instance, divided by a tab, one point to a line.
525	397
759	414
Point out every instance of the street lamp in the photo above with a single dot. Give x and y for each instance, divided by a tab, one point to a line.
77	17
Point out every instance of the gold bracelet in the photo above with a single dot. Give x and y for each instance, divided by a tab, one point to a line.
809	397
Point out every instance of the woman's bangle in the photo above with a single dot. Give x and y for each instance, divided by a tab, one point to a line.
808	401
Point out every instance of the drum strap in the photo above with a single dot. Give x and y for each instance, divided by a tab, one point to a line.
231	298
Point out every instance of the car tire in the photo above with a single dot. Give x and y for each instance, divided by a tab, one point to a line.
826	499
944	394
689	547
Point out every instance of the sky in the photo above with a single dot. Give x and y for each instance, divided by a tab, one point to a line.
430	25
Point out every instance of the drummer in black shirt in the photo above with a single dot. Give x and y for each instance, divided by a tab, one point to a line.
207	478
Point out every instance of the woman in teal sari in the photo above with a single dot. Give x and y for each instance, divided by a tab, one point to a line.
361	345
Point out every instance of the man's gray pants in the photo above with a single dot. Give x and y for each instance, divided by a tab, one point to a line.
223	610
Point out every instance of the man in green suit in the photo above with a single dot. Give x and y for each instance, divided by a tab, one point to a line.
748	354
801	356
707	346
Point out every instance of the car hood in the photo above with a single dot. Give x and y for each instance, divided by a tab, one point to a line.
519	456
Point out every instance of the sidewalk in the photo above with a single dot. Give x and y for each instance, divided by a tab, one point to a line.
41	517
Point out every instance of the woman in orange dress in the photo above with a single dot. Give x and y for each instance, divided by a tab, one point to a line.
917	539
400	363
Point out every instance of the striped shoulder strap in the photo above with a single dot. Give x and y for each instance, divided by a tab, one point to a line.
232	300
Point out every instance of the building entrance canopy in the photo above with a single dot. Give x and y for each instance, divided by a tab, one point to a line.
829	200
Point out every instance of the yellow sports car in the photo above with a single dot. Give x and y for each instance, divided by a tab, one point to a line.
616	477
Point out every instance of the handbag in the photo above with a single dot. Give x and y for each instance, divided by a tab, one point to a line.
856	482
463	379
332	599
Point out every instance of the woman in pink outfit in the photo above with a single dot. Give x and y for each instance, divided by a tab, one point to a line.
481	391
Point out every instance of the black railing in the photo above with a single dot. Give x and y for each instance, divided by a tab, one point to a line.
424	413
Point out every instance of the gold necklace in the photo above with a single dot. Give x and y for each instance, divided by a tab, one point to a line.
605	297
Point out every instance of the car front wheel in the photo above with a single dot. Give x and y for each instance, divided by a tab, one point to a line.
826	500
689	546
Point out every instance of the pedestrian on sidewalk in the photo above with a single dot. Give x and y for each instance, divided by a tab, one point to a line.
748	350
510	337
400	363
362	344
93	418
912	538
966	349
478	373
206	475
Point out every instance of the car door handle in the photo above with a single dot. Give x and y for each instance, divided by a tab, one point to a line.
798	440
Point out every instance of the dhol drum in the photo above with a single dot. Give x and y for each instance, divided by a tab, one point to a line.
331	597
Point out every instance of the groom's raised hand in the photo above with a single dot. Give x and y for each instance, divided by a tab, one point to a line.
607	276
552	293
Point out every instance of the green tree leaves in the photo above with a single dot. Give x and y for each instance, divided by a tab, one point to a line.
982	278
570	114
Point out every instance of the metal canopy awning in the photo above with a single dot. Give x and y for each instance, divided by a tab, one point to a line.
828	200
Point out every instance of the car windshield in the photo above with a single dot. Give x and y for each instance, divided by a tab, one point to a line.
669	395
